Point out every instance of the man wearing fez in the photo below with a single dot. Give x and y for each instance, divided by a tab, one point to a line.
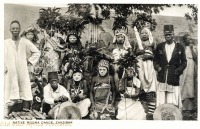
54	93
169	62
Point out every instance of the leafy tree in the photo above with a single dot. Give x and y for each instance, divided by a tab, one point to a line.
124	10
194	14
47	18
52	19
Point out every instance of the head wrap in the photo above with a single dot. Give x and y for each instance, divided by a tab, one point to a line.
139	41
126	44
33	30
149	34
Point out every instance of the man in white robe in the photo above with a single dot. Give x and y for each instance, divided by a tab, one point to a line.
17	82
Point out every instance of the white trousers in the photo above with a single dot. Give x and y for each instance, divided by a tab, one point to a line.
169	97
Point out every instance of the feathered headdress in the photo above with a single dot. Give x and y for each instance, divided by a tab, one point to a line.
141	20
76	64
90	12
103	63
120	25
73	25
48	18
127	60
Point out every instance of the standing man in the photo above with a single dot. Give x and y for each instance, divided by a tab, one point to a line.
17	81
169	62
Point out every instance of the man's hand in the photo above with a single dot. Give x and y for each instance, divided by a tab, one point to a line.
5	70
82	97
28	63
110	107
93	107
177	72
126	95
159	69
63	98
56	100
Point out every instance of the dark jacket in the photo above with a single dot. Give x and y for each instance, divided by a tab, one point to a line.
175	67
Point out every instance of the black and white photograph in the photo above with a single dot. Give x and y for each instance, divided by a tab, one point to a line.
100	61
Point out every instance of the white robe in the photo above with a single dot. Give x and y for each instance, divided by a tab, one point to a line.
17	82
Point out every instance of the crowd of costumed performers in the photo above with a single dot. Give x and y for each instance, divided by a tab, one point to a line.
123	79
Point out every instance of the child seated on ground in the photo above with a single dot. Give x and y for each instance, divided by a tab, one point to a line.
79	92
102	91
129	108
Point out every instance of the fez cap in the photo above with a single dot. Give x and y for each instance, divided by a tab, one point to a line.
52	76
168	28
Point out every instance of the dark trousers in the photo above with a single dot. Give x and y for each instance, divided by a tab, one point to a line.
26	104
46	108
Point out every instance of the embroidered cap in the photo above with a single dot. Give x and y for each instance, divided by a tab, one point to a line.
103	63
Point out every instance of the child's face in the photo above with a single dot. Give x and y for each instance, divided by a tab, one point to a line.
77	76
72	39
144	35
37	69
120	38
103	71
30	36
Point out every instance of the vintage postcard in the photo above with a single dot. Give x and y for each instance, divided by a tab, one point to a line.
73	64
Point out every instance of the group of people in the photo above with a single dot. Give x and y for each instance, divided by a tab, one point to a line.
52	72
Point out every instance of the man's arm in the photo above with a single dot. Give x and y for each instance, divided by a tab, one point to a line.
113	90
183	65
156	59
65	93
47	95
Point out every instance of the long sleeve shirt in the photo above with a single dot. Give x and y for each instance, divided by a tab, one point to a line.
50	95
17	81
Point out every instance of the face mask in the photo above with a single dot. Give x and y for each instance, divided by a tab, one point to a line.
72	39
144	35
103	71
77	76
